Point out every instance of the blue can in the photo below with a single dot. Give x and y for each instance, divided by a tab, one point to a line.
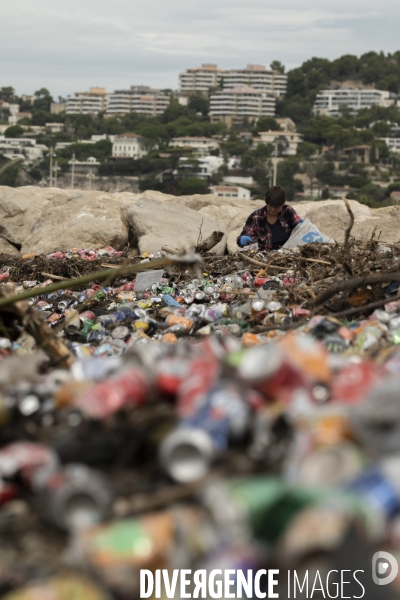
378	491
221	412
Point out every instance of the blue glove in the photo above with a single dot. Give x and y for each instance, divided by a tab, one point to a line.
245	240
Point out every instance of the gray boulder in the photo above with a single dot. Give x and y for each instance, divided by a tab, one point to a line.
7	248
78	223
156	223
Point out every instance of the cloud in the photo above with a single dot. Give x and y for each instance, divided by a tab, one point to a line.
71	46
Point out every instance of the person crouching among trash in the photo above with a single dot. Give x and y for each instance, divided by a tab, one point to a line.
271	225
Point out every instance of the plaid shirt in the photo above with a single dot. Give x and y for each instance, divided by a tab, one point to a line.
258	229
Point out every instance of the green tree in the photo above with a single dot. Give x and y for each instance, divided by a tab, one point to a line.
43	100
15	131
41	117
192	185
199	104
173	111
276	65
7	93
266	124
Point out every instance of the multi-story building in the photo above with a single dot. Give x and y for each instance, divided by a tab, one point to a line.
140	99
27	149
392	143
286	141
200	79
258	77
232	106
330	102
87	103
128	145
57	107
199	145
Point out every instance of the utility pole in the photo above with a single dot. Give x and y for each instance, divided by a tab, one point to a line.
90	176
275	161
51	167
55	174
73	171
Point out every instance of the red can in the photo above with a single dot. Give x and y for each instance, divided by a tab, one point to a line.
300	312
8	491
259	281
269	370
170	373
4	276
86	315
354	381
128	389
28	460
201	377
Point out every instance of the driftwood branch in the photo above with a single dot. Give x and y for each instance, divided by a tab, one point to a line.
348	231
210	242
351	284
258	263
364	308
186	259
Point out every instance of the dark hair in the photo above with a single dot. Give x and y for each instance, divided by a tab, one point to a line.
275	196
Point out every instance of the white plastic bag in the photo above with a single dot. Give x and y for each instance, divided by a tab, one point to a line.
305	233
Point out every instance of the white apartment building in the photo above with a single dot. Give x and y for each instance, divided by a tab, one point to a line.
27	149
329	102
128	145
258	77
55	127
199	145
202	168
288	140
227	191
140	99
232	106
392	143
87	103
200	79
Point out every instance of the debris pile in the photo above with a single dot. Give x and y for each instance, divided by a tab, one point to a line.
178	411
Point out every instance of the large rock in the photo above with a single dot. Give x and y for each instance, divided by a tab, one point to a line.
7	248
19	209
155	223
81	222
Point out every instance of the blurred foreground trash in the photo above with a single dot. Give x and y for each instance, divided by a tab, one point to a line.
237	413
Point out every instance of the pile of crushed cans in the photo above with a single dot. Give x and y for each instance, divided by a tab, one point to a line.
182	438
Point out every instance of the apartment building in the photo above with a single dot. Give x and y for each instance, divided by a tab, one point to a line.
200	79
25	148
330	102
128	145
285	141
232	106
392	143
140	99
87	103
199	145
258	77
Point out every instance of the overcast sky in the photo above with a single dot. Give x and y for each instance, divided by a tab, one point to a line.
72	45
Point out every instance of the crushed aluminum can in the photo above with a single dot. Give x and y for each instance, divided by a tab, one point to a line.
120	332
29	284
274	306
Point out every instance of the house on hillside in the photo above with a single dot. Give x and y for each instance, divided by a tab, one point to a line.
361	153
228	191
128	145
286	141
199	145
